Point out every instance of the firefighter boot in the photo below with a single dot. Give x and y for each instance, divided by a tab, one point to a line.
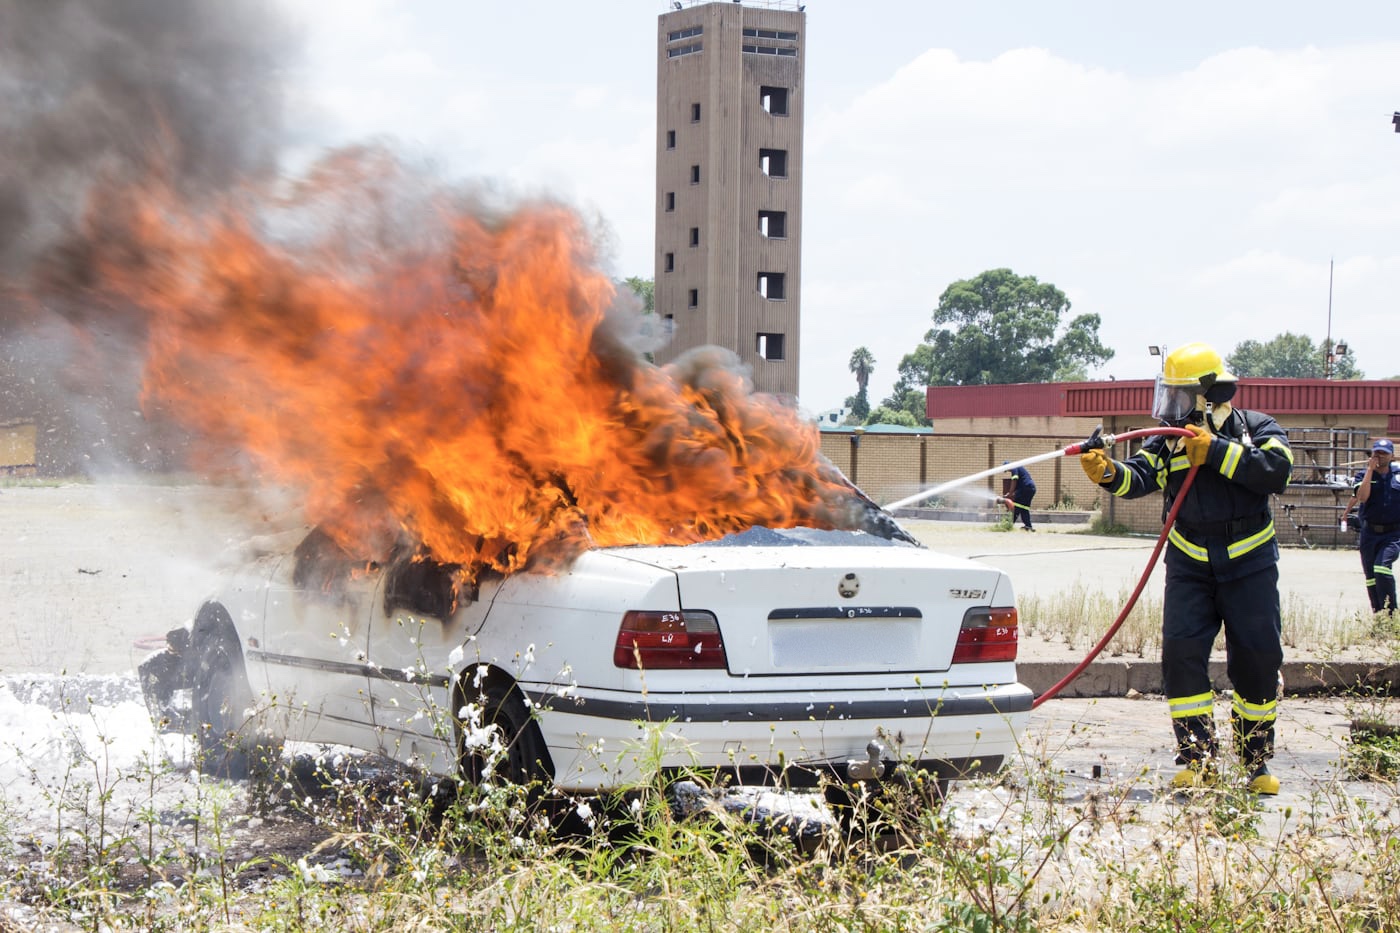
1254	741
1196	749
1262	782
1196	774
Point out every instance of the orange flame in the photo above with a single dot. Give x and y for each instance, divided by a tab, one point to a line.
427	370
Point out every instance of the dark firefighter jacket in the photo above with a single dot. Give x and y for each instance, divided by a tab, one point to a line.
1225	520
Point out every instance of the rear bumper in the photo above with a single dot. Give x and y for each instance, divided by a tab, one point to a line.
604	740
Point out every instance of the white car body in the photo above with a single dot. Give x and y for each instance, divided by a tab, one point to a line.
832	641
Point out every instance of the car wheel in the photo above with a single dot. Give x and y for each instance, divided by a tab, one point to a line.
220	698
516	753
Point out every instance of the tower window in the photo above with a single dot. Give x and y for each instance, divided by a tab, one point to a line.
773	224
694	113
694	300
774	100
695	174
772	285
694	236
773	162
769	346
670	200
670	139
669	262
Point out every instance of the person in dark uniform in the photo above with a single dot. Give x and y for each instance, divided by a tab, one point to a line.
1378	504
1022	492
1222	567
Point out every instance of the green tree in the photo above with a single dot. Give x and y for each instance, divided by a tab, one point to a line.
644	289
1001	327
886	415
1289	356
862	364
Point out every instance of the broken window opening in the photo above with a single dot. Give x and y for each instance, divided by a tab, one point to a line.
770	346
773	224
772	285
774	100
773	162
670	262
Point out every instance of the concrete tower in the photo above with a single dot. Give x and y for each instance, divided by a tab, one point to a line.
729	184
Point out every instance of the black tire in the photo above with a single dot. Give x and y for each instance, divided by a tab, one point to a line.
220	699
525	761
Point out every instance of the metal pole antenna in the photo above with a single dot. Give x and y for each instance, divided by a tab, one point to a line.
1327	352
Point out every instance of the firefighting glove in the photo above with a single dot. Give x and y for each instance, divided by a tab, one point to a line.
1097	466
1197	445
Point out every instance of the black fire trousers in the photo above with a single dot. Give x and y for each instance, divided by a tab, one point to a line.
1022	498
1378	555
1195	606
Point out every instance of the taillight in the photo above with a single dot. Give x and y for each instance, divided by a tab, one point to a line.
669	640
987	635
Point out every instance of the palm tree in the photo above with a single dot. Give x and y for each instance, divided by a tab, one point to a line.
862	364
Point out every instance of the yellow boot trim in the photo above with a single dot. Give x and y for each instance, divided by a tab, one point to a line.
1196	774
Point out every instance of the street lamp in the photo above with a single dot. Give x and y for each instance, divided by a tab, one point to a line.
1159	350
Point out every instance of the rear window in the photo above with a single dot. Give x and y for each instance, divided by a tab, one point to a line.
801	537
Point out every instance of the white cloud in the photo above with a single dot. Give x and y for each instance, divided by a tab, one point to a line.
1198	204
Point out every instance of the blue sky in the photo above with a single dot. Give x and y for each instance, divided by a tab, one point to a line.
1186	171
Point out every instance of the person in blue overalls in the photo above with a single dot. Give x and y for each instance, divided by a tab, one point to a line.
1022	492
1378	502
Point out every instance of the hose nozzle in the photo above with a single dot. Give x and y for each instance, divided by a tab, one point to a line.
1096	441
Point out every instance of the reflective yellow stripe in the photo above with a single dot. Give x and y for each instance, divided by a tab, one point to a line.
1256	712
1179	463
1186	547
1275	443
1124	480
1381	570
1152	459
1198	705
1245	545
1234	451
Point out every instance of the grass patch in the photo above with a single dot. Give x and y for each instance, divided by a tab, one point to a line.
1029	851
1079	616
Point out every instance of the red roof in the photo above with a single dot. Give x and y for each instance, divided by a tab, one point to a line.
1134	397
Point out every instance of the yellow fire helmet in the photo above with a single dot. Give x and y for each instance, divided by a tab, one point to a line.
1191	370
1195	364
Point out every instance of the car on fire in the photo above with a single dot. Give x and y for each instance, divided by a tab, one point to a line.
771	657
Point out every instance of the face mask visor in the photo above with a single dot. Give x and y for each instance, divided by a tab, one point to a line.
1172	404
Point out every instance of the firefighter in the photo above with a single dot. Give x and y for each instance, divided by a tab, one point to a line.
1022	492
1222	566
1378	500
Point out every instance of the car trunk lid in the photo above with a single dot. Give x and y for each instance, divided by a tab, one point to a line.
831	610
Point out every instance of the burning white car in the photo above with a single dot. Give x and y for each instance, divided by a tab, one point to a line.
770	656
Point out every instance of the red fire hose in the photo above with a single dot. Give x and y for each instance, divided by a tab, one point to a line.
1095	442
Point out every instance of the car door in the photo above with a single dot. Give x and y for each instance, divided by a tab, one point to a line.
419	627
314	644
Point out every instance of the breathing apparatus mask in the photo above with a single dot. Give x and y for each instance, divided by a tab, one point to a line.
1179	405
